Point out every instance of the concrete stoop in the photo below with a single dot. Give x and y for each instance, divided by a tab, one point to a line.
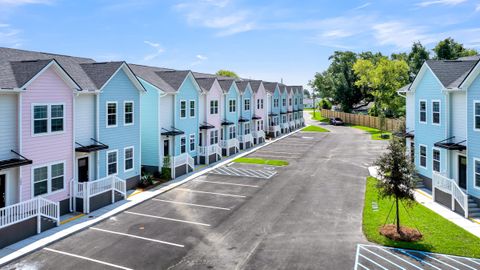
473	208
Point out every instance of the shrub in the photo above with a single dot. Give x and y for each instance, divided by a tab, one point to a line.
166	173
325	104
146	180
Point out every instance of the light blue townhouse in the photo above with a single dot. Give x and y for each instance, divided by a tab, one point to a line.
230	116
170	125
443	131
273	98
245	136
284	126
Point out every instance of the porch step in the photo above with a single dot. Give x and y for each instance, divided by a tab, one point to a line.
474	215
472	205
473	210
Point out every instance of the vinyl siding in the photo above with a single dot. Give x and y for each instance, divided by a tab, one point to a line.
261	94
215	93
150	125
120	89
85	119
8	125
410	113
458	110
473	146
231	116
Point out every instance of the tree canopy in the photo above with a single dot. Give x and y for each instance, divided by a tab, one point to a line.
449	49
417	56
227	73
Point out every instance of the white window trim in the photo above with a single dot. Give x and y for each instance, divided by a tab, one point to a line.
125	159
212	107
426	111
116	114
234	107
439	112
49	178
245	104
190	143
49	119
420	156
474	128
106	162
473	167
124	113
439	161
190	109
180	109
180	141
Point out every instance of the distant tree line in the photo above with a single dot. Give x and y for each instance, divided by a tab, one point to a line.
354	80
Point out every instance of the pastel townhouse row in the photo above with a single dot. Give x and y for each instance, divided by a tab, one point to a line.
69	138
443	131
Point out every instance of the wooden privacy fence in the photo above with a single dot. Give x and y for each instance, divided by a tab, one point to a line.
363	120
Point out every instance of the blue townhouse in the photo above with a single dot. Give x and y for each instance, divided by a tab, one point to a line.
273	98
245	120
443	131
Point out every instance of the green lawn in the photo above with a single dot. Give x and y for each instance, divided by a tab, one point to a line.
273	162
318	116
376	133
439	234
315	129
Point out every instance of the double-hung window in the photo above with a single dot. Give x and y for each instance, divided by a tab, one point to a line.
48	179
284	102
128	112
436	160
275	102
192	108
232	132
48	118
423	156
423	111
112	162
192	142
183	109
214	107
477	172
436	112
258	104
290	102
232	107
128	155
111	114
213	137
476	111
247	105
183	142
247	128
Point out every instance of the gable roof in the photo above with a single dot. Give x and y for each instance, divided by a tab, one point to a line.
473	57
100	73
255	84
242	86
24	71
206	83
225	84
451	73
174	78
270	86
148	74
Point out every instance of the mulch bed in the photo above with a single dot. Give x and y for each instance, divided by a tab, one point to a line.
406	234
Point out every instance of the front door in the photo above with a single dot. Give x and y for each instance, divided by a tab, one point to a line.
3	194
166	148
83	169
462	172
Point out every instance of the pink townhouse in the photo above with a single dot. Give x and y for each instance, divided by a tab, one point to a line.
210	128
259	117
290	97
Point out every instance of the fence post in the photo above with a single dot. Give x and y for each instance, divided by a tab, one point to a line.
39	217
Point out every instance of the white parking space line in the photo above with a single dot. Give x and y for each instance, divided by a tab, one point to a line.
213	193
137	237
474	261
281	152
361	265
456	261
169	219
87	259
435	259
225	183
192	204
232	171
398	257
271	156
419	259
372	261
383	258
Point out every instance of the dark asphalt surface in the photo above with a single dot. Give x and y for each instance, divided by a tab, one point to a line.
307	216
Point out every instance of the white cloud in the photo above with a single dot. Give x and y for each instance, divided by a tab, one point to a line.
201	57
9	36
24	2
223	15
158	50
362	6
440	2
400	35
477	9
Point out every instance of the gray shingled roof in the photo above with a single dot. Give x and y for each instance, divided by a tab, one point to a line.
70	64
405	88
270	86
174	78
100	73
206	83
242	86
225	84
24	71
451	73
255	84
148	73
474	57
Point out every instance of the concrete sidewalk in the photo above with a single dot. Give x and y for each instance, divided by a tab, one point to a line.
425	198
81	222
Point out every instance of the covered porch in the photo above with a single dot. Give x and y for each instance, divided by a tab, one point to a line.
209	150
273	125
258	133
228	140
174	162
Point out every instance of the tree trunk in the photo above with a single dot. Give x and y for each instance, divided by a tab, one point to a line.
398	216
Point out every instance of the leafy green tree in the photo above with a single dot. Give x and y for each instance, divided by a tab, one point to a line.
306	93
449	49
417	56
227	73
384	78
396	176
399	56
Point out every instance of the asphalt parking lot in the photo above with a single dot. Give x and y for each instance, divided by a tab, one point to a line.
307	215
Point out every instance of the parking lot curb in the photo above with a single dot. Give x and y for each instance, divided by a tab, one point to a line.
139	198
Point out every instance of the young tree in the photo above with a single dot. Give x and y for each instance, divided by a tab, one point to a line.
449	49
227	73
396	176
417	56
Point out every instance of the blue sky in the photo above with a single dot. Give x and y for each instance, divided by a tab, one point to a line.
269	40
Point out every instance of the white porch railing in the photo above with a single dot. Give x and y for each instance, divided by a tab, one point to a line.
292	123
87	190
259	134
245	138
190	161
210	150
36	207
227	144
449	186
297	122
274	129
